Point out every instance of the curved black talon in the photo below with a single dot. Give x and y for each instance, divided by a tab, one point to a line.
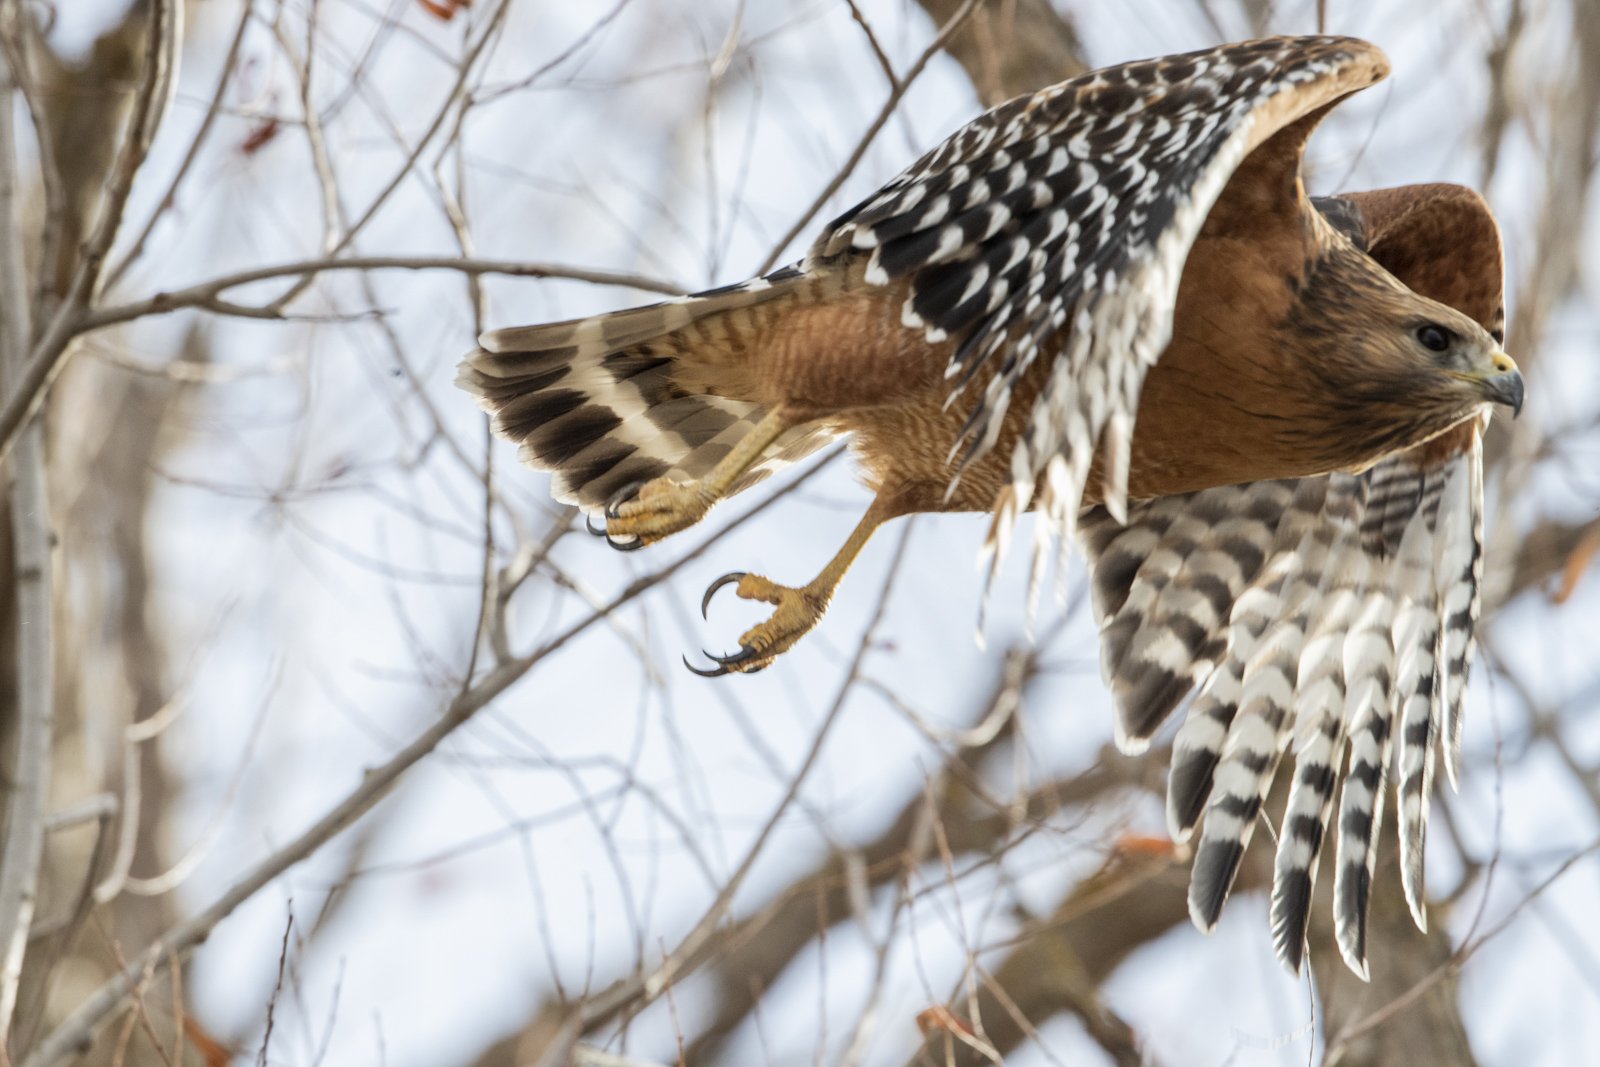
711	590
735	659
595	531
725	664
714	672
621	497
625	546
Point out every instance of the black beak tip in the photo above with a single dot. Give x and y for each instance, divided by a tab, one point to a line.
1507	389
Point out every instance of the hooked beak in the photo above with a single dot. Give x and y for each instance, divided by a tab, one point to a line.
1502	385
1505	385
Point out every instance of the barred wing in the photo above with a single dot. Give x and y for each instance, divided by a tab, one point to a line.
1058	223
1321	618
1330	619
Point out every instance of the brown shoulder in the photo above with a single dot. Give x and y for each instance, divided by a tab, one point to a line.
1440	240
1264	198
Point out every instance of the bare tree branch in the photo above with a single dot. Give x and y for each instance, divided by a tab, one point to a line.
208	295
31	587
898	90
95	1010
230	64
1402	964
65	322
1059	964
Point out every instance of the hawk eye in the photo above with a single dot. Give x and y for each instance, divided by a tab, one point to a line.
1434	337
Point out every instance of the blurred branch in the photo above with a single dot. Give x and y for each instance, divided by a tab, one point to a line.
1547	549
1368	1035
1551	277
30	586
142	417
589	1056
73	317
468	63
1418	1018
1060	964
1011	47
751	954
96	1009
1497	116
1569	167
755	951
168	198
27	390
1135	899
208	295
884	63
640	989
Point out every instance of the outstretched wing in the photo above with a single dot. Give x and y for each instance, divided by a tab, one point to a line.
1329	617
1058	223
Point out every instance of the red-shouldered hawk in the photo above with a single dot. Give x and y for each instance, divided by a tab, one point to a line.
1294	527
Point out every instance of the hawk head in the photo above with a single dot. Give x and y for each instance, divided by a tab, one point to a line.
1456	363
1395	367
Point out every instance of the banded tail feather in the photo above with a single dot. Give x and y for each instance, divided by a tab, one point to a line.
611	400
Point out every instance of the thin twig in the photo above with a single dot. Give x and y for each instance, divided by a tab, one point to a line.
1455	963
277	987
208	294
640	989
469	62
453	197
889	105
877	49
169	198
321	162
97	1008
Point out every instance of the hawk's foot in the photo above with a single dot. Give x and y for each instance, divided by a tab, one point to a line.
799	610
643	514
639	515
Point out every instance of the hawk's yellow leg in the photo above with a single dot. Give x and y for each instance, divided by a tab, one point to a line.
799	609
663	506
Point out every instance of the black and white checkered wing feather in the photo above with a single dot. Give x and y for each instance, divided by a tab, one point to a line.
1057	225
1326	620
